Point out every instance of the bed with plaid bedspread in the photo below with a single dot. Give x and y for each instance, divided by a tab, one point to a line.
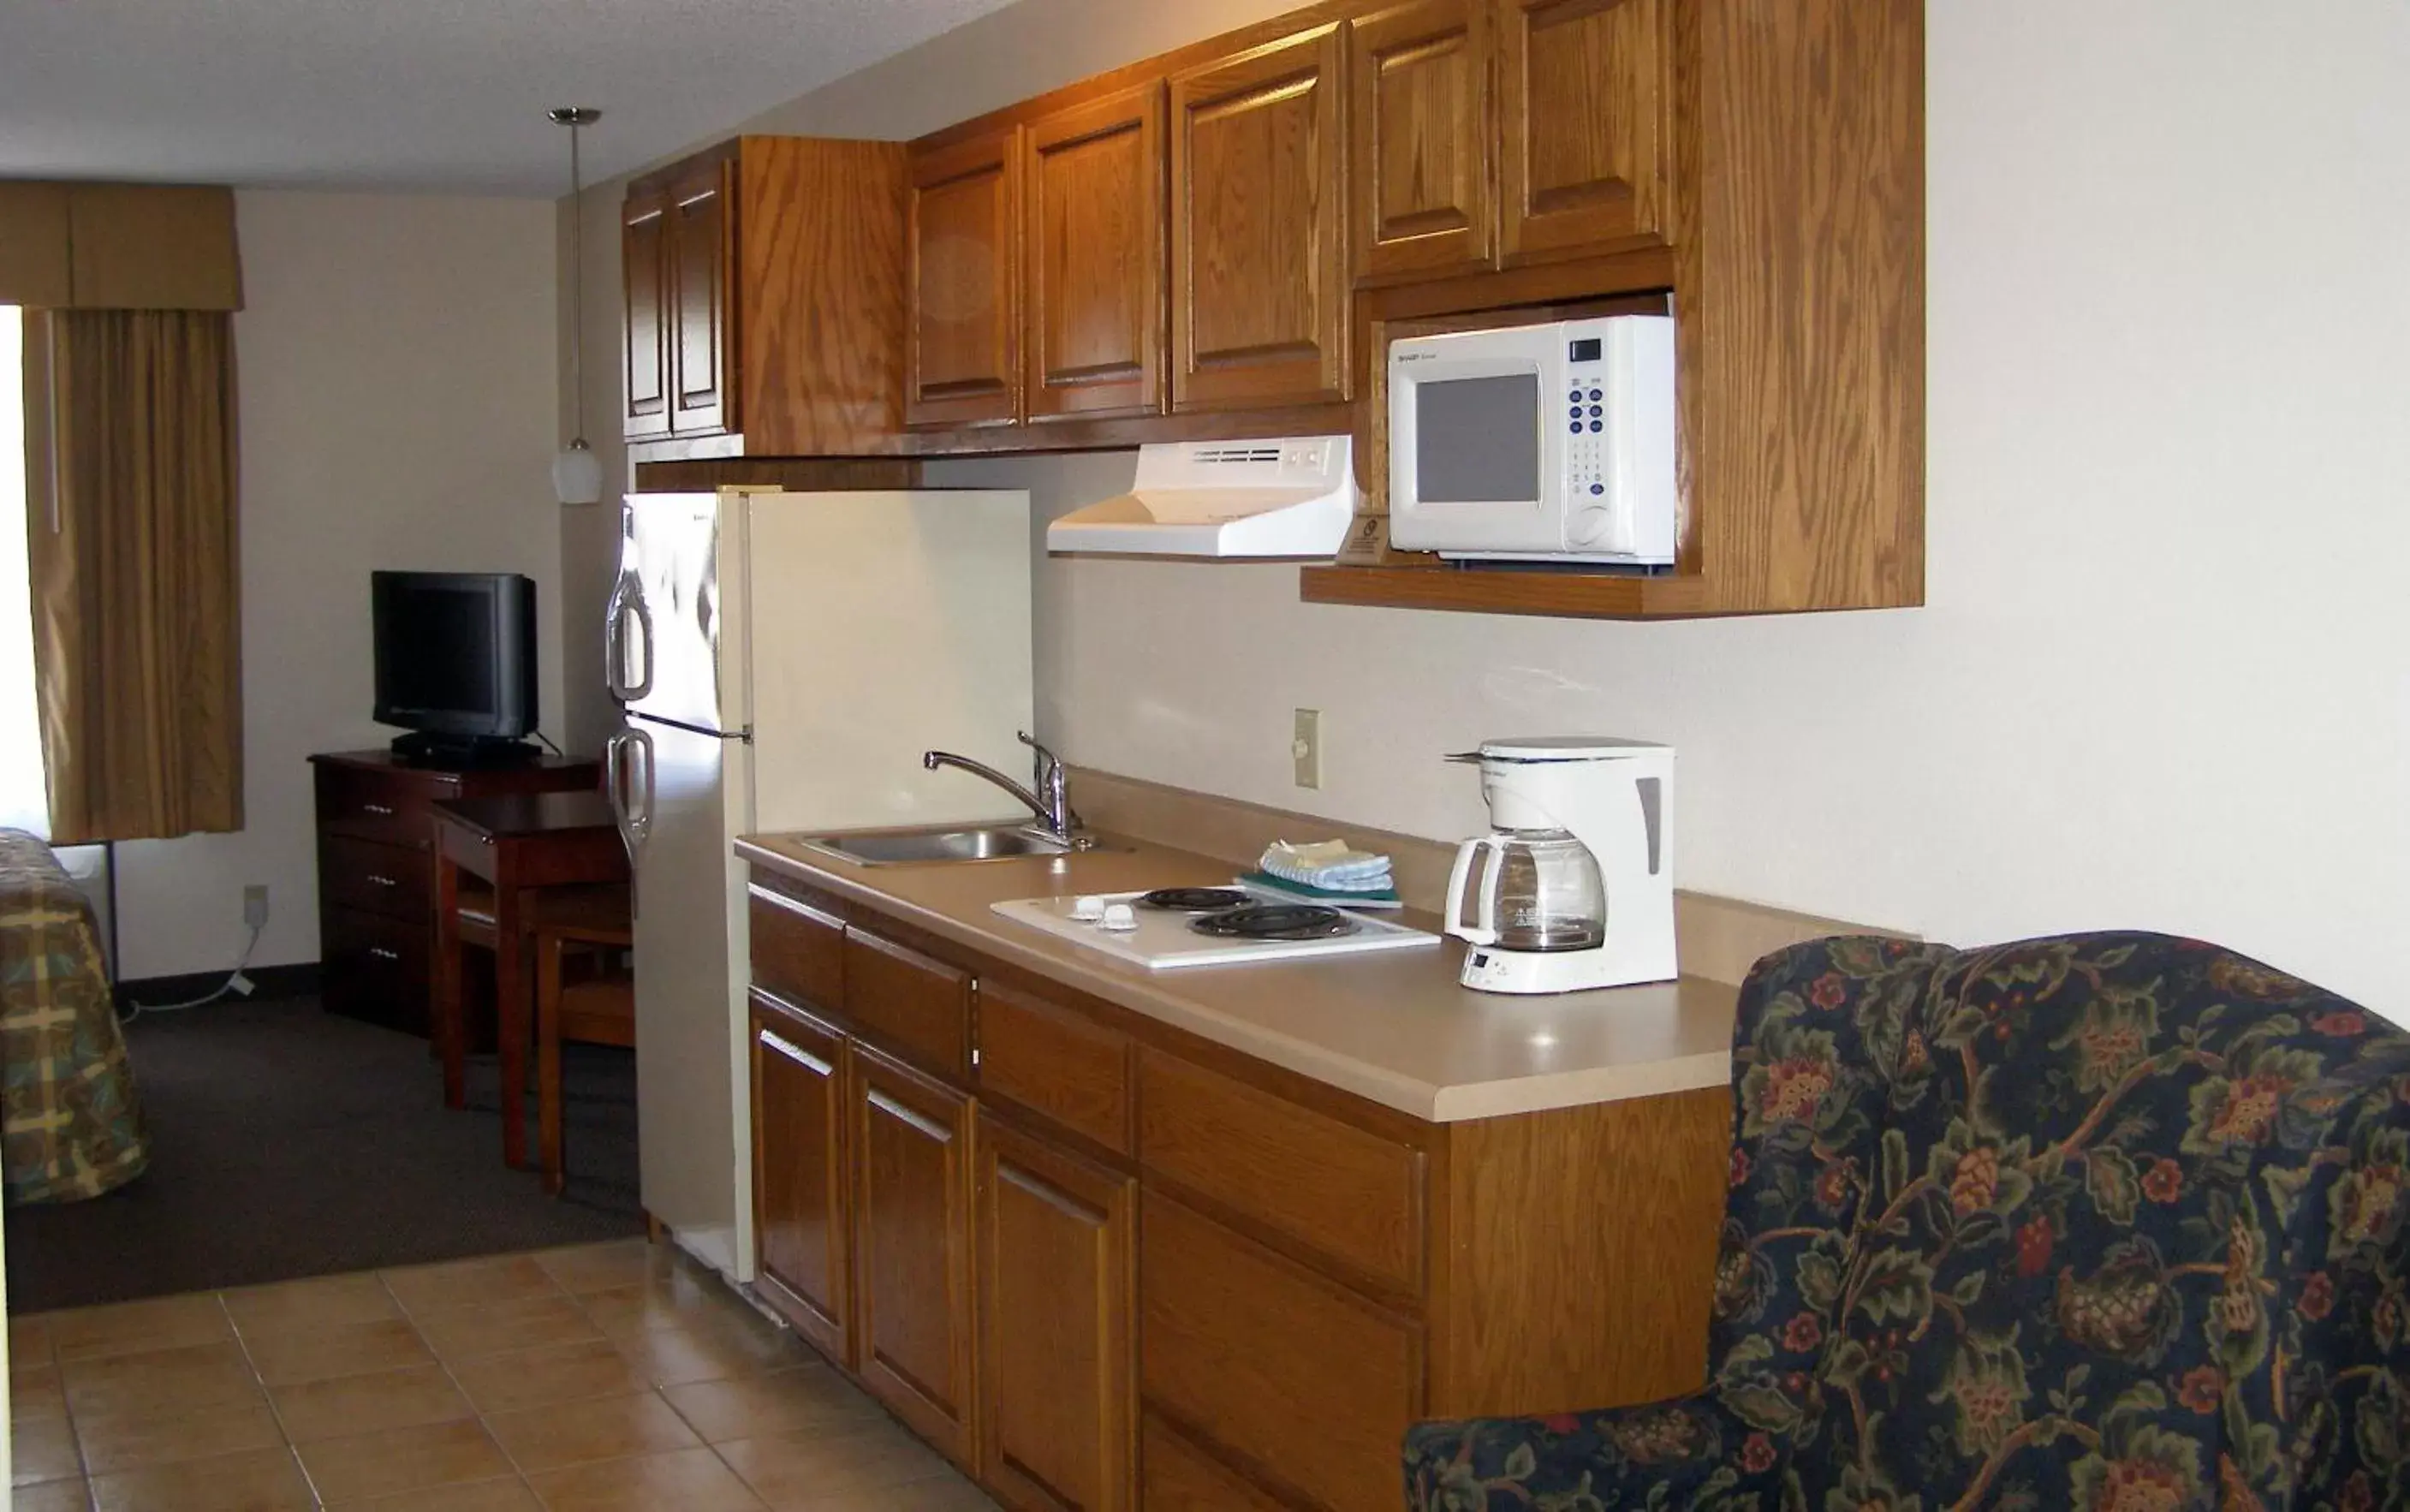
70	1123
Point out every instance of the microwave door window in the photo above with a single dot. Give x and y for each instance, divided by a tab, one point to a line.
1477	441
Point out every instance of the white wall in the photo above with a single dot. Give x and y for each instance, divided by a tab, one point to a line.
2163	677
397	400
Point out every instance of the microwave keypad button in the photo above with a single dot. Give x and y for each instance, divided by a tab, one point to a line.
1595	412
1576	427
1594	394
1598	488
1596	425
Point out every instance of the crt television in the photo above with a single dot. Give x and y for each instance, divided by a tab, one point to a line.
456	662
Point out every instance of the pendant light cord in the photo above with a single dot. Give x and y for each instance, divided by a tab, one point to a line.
576	280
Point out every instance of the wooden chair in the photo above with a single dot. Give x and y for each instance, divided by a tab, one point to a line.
585	992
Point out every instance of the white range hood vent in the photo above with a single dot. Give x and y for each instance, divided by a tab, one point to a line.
1291	497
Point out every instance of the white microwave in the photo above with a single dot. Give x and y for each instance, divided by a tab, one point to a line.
1536	443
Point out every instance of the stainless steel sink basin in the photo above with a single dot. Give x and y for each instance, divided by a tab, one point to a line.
922	846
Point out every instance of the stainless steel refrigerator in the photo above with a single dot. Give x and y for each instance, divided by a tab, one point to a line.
782	660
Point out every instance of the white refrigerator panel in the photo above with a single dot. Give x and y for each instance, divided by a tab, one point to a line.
883	625
687	803
669	653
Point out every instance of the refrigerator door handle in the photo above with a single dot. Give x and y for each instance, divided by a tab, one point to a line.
615	789
626	598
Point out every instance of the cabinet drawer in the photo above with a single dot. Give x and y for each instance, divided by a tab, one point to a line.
1351	1193
1258	1353
1055	1062
377	807
798	952
374	966
375	879
908	1002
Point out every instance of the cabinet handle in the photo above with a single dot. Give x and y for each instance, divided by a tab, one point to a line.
384	955
379	809
382	881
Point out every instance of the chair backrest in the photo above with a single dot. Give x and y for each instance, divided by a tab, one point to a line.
2102	1220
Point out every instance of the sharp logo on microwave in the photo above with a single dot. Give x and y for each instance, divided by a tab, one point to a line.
1413	356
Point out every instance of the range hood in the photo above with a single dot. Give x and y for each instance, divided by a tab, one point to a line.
1291	497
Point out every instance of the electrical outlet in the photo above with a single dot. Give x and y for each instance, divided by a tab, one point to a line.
1305	748
254	906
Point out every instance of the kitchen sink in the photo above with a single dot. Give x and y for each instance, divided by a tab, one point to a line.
920	846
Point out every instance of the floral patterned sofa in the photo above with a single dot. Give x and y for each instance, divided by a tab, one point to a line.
2109	1222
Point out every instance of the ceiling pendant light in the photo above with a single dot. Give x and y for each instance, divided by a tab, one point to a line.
577	472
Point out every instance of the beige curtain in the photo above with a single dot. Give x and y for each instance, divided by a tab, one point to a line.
137	571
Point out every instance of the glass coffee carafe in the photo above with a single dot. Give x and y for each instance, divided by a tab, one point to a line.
1541	891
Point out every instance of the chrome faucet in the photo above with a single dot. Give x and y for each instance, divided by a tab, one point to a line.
1047	800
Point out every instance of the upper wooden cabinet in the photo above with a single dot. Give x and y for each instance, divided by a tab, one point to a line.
764	286
644	336
1422	139
702	244
1094	258
962	362
1259	310
1585	114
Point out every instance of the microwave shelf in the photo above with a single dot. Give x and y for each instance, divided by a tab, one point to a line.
1570	595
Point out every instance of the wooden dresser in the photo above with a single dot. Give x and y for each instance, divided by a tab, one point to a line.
376	871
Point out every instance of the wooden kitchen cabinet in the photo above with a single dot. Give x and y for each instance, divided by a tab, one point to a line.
800	1173
1095	1232
644	333
1259	313
1058	1399
764	300
1093	264
701	245
963	357
913	1244
1422	180
1586	93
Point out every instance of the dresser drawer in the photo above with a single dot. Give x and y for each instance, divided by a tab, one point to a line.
376	879
1340	1189
1055	1062
380	807
374	966
909	1002
1255	1350
798	952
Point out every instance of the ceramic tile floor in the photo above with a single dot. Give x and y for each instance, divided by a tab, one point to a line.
605	1379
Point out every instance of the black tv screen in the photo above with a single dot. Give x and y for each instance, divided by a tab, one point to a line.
455	653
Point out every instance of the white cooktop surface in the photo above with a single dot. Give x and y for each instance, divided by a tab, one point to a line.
1163	941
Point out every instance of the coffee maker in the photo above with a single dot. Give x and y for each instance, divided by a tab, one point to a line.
1574	888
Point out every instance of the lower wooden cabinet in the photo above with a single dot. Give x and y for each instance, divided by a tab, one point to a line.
1105	1267
911	1234
804	1246
1057	1398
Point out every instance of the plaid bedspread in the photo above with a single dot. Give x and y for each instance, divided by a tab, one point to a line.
70	1125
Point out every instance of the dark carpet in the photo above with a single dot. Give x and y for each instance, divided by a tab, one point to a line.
288	1142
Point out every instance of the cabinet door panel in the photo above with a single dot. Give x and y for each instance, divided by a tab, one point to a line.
799	1164
963	346
645	355
702	348
1095	259
911	1209
1420	135
1057	1397
1259	273
1585	101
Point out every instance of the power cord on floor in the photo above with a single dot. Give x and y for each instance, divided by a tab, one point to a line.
549	746
234	978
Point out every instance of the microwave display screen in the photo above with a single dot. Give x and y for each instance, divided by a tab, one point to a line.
1478	440
1587	350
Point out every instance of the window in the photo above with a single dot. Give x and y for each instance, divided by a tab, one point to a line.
24	802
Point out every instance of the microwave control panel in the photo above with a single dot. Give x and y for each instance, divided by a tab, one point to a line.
1585	411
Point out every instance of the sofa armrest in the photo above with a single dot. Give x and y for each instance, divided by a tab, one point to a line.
1679	1453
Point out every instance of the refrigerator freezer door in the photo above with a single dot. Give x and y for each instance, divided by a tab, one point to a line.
669	658
685	801
883	625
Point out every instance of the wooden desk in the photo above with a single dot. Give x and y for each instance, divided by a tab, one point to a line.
517	843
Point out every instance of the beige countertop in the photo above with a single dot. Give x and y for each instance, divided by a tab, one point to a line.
1392	1027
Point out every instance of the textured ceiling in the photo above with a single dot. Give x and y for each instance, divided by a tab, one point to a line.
418	94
